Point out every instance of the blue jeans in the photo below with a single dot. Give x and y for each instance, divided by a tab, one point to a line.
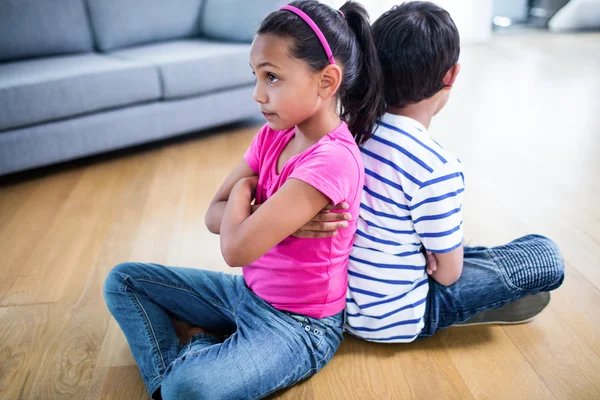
268	349
492	277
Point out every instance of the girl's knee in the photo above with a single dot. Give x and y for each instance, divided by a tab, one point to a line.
115	281
181	382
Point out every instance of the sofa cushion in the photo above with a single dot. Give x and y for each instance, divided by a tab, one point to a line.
235	20
33	28
34	91
123	23
195	67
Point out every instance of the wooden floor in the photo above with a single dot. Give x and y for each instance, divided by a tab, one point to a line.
525	120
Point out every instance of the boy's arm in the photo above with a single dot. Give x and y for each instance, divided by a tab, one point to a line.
214	214
445	268
247	236
436	212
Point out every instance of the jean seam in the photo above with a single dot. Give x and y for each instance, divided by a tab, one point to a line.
313	368
295	369
193	353
235	307
151	329
477	309
152	381
276	387
188	346
193	293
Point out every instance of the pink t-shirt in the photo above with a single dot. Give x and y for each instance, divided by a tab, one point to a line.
307	276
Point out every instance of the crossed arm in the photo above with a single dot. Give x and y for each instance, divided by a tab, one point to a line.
249	231
246	236
445	268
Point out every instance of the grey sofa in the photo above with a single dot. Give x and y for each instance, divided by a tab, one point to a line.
81	77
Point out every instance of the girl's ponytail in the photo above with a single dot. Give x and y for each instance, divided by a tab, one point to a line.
363	101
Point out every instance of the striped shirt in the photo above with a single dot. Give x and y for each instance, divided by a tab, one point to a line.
412	199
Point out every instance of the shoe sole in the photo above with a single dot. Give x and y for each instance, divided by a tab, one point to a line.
518	312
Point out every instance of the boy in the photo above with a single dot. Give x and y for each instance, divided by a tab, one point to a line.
409	275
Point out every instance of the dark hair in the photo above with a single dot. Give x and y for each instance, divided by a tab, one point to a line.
351	41
417	43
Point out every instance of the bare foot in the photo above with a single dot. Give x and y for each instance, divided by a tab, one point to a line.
196	329
181	329
184	331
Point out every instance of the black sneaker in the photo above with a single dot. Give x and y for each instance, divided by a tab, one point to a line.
517	312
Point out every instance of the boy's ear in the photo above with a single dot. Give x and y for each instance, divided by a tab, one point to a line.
451	75
330	81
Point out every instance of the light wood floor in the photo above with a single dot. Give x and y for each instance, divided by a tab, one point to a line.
525	120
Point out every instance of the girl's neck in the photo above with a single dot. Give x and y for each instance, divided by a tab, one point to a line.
317	126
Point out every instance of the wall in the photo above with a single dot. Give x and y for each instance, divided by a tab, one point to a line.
473	18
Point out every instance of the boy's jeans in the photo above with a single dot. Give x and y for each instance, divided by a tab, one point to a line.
268	349
492	277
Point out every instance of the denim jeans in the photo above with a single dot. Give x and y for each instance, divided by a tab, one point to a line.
492	277
268	349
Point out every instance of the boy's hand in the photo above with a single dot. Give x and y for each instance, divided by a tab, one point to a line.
431	263
324	224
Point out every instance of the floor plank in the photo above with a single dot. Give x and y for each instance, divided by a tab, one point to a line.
79	320
22	329
558	356
29	218
124	383
577	303
491	365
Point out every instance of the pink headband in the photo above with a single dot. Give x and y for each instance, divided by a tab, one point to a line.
315	28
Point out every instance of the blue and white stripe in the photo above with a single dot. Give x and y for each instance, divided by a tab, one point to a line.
412	199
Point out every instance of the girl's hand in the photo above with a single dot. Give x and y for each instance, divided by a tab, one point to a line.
324	224
246	237
214	214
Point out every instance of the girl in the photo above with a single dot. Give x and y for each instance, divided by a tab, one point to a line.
283	319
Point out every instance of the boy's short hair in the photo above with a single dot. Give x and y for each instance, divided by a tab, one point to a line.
417	43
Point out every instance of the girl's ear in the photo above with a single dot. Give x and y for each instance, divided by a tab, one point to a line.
330	81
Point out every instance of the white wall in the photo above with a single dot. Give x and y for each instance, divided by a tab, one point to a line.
473	18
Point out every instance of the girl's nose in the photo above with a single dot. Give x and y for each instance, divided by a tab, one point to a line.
259	95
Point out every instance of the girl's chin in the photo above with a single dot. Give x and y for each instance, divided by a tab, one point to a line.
278	125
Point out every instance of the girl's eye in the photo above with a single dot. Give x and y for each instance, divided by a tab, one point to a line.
272	78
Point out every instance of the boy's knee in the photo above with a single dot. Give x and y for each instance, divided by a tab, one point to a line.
547	261
555	262
532	262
